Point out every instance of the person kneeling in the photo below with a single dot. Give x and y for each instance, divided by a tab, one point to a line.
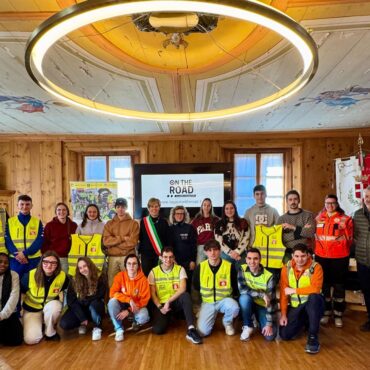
129	296
85	299
168	290
257	296
300	286
42	304
217	281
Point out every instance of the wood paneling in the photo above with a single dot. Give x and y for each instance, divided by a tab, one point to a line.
43	168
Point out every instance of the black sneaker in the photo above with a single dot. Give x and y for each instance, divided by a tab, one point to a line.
313	345
53	338
194	336
365	326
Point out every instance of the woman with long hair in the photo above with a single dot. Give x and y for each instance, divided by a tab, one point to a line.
57	234
333	239
85	299
87	242
232	232
91	222
11	331
42	305
204	223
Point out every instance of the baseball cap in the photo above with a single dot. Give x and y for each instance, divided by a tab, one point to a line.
120	202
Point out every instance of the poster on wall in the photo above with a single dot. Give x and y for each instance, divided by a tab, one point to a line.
348	179
103	194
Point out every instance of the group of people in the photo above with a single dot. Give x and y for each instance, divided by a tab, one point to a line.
156	269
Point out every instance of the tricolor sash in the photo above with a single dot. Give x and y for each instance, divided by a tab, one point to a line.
153	236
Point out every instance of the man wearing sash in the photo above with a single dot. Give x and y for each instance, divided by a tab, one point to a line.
120	237
154	235
300	288
168	291
24	238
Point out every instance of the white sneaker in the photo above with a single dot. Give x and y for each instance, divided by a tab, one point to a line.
246	333
338	322
119	335
82	330
229	329
324	320
96	334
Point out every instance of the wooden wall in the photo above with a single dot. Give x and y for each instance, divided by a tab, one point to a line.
43	166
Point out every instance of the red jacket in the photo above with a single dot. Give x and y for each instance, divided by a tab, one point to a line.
334	235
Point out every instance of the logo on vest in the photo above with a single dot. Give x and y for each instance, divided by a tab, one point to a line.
223	283
56	290
175	286
93	249
274	241
33	232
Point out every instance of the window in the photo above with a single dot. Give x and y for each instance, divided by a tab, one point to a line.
112	168
264	168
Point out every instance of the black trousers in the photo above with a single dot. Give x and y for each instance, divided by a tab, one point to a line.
148	263
335	273
363	273
183	303
308	313
11	331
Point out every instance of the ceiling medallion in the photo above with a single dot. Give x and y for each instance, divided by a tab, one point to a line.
186	14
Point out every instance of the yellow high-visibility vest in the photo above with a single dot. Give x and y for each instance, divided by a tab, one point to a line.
257	283
302	282
2	231
213	287
85	246
24	237
35	296
166	283
268	239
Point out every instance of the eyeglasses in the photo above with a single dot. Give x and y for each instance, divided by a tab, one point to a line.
331	203
51	263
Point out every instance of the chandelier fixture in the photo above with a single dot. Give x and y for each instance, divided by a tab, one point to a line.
154	20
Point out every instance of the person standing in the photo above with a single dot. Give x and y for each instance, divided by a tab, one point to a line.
232	232
204	223
91	222
120	237
298	224
57	234
24	238
333	240
261	213
154	236
183	240
361	221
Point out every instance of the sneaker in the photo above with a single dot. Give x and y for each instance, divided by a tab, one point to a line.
338	322
96	334
365	326
313	345
135	327
194	336
324	320
53	338
246	333
229	329
119	335
82	329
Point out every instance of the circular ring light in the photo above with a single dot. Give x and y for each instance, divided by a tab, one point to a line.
82	14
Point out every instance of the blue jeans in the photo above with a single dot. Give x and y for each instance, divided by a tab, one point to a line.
115	307
208	313
248	308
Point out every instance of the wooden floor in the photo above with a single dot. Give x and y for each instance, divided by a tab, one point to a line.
345	348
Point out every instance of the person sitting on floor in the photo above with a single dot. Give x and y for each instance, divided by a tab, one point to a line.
300	288
85	299
129	296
